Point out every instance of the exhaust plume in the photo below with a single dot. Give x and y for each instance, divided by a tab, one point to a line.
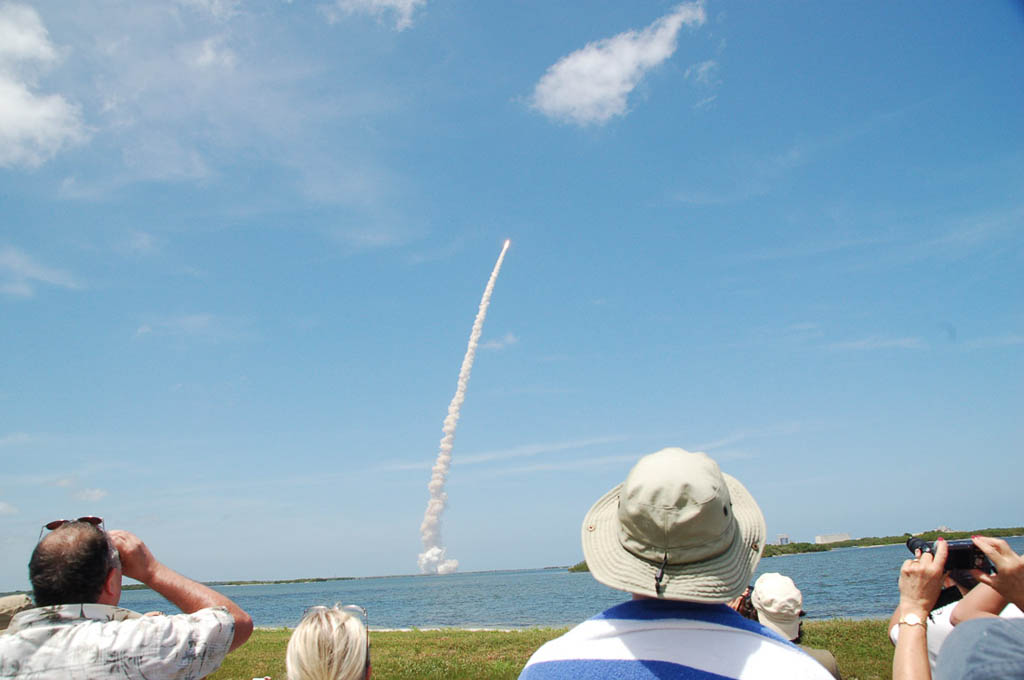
433	559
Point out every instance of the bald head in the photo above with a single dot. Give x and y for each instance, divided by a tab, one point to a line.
70	565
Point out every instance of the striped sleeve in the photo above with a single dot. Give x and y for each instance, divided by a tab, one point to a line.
669	648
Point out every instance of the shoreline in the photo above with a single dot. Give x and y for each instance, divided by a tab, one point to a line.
540	626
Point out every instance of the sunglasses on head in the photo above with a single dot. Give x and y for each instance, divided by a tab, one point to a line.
53	525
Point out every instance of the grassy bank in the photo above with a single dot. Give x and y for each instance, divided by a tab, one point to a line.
861	647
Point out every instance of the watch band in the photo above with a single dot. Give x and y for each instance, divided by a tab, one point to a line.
912	620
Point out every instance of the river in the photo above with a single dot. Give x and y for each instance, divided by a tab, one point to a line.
848	582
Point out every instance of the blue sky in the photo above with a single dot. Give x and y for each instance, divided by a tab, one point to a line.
242	246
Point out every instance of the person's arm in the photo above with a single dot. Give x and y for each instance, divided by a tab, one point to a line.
189	596
1008	580
893	621
920	585
982	601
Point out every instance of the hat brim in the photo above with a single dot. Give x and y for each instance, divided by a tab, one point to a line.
718	579
788	628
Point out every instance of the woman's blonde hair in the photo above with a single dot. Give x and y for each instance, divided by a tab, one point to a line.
329	644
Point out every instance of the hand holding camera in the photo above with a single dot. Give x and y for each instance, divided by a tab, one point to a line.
921	580
963	554
1008	565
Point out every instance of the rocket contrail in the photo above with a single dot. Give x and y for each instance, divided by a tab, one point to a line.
433	560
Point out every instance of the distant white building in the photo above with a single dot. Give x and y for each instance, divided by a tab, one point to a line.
783	539
831	538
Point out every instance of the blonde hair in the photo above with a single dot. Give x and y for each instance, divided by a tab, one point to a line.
329	644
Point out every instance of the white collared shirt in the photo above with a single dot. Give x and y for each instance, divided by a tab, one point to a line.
85	641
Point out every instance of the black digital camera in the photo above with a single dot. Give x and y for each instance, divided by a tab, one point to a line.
963	554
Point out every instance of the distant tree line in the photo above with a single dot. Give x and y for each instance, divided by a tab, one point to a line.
139	586
794	548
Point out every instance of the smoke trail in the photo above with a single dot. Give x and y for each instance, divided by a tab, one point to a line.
433	560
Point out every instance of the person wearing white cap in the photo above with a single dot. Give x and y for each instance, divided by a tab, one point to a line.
779	605
683	538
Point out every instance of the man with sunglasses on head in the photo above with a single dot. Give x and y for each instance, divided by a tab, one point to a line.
77	630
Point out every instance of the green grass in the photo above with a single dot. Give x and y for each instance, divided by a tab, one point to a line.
861	647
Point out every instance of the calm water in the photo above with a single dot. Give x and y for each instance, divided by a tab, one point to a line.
851	582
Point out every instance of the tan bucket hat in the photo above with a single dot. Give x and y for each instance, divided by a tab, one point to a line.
11	605
678	528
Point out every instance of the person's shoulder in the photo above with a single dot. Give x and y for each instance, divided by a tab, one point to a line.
682	640
824	657
208	618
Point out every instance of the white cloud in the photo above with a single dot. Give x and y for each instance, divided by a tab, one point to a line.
625	461
16	289
160	157
524	451
592	84
402	10
33	127
705	73
211	53
706	102
203	326
7	509
876	342
1008	340
781	430
15	439
18	273
218	9
141	243
500	343
175	91
90	494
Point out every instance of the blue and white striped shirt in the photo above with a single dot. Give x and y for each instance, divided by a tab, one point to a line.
667	639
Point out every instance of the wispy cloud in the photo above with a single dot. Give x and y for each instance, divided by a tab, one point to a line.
969	234
19	274
878	342
1008	340
592	85
744	178
7	509
704	73
175	91
91	495
577	464
525	451
706	102
780	430
15	439
804	250
401	10
198	326
140	243
500	343
211	53
219	9
33	127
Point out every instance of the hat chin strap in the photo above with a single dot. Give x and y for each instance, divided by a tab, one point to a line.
660	575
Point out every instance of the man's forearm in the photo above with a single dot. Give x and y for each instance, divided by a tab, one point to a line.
190	596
